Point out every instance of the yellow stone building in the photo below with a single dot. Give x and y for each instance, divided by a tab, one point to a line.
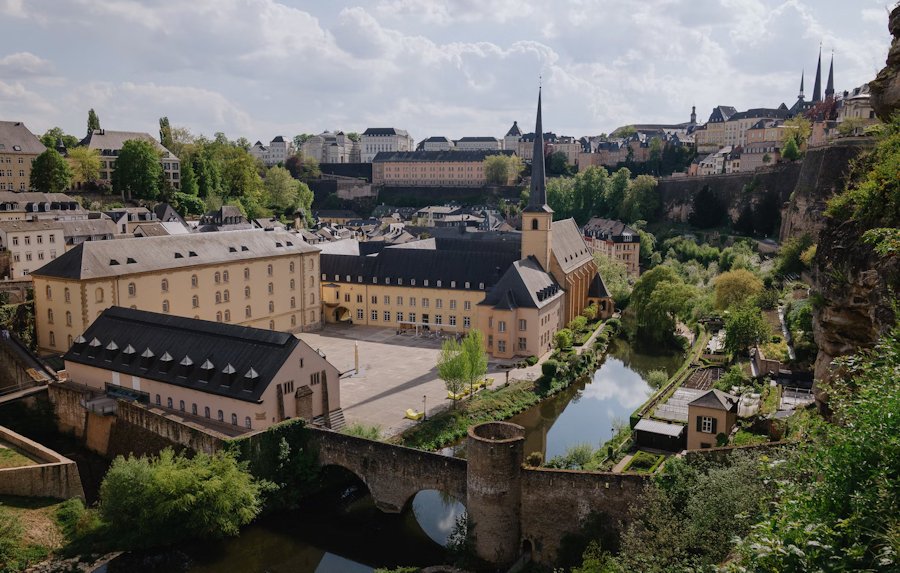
18	148
251	278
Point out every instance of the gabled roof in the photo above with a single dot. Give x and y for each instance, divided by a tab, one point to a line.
382	131
524	285
186	352
478	139
717	400
88	227
278	139
16	138
598	288
611	229
97	259
721	113
437	139
23	226
514	131
568	245
107	140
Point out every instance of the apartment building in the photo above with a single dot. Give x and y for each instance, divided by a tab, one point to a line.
375	140
432	168
331	147
275	153
712	136
616	241
31	244
32	206
18	148
263	279
207	372
109	144
738	124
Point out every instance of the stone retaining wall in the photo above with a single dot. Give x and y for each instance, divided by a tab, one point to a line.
52	476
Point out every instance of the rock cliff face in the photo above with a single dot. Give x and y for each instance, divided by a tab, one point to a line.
885	88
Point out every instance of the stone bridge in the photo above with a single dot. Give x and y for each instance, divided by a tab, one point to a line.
514	510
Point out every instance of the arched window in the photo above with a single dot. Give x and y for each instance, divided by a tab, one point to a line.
271	306
293	284
271	325
194	281
312	298
181	405
50	315
293	302
206	411
67	295
234	419
271	288
49	293
169	402
227	316
194	408
225	276
225	296
247	312
246	273
165	305
246	292
269	270
218	277
293	321
291	266
247	423
219	316
52	339
68	318
534	224
218	297
132	289
221	415
195	301
164	285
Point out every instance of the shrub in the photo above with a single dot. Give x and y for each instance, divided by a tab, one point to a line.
590	312
578	324
564	339
734	377
363	431
165	499
575	458
657	378
534	459
549	368
531	360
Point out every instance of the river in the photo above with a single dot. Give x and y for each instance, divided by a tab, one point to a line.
347	533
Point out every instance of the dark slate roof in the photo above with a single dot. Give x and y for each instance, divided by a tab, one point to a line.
465	155
437	139
721	113
523	285
568	245
382	131
199	352
777	113
514	130
278	139
611	230
407	263
716	399
598	288
165	213
478	138
336	214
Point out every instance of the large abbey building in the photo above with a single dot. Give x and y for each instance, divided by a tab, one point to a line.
517	288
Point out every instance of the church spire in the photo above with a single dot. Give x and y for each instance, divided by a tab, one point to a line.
817	87
800	95
829	88
537	199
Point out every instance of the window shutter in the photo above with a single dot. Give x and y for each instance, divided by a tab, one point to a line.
714	423
699	423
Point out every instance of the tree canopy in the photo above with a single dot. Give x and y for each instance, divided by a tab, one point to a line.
52	136
736	287
502	169
462	363
138	172
744	327
658	299
85	163
50	173
93	121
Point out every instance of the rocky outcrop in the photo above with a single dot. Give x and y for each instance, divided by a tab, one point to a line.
855	290
885	88
823	173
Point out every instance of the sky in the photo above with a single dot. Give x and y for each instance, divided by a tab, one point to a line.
261	68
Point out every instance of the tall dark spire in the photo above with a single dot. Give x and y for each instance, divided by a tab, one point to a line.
537	199
817	87
829	87
800	95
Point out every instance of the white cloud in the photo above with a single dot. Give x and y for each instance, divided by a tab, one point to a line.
24	64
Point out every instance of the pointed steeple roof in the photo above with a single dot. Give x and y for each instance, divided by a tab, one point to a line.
537	200
802	74
829	87
817	87
514	131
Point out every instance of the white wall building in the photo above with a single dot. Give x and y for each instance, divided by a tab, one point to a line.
377	139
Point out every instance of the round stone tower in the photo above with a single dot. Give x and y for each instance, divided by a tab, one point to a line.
494	489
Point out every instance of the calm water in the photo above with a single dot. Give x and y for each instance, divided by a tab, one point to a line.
347	533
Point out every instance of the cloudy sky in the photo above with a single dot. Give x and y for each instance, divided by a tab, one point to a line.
258	68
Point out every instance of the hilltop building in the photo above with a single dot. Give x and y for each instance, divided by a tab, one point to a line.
432	168
374	140
276	152
18	148
109	144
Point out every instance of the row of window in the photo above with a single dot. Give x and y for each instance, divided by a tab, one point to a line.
27	239
220	415
17	257
386	300
12	187
412	317
501	324
9	173
412	282
9	160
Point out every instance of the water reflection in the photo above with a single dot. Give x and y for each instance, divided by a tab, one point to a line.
437	514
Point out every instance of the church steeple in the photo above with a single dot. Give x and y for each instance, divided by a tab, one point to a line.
693	115
800	95
817	87
537	199
829	88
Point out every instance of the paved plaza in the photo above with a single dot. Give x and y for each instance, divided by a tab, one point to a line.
395	372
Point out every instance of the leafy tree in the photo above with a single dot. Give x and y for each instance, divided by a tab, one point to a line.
708	210
563	339
736	287
301	139
243	143
502	169
85	163
561	196
93	121
618	188
242	181
624	131
641	199
657	378
797	129
558	163
590	188
451	366
474	356
52	136
302	167
138	171
353	136
165	133
745	327
186	204
615	277
155	501
658	299
789	261
189	184
655	156
50	173
281	188
790	151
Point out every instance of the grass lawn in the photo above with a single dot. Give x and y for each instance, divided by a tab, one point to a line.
30	531
11	458
643	462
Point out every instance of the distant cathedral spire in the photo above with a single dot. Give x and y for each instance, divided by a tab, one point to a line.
800	95
817	87
537	199
693	114
829	88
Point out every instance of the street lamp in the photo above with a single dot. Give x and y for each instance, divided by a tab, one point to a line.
424	407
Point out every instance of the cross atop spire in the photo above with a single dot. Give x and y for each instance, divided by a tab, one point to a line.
829	87
537	199
817	87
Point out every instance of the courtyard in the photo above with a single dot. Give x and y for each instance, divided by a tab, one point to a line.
395	373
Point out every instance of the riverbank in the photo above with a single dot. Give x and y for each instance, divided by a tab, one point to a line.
495	405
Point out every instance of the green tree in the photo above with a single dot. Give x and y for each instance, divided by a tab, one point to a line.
302	167
736	287
93	121
789	260
790	151
474	356
189	184
615	193
658	299
156	501
561	196
745	326
282	189
451	367
641	199
563	339
50	173
615	277
186	204
590	189
558	163
165	134
301	139
138	171
797	129
708	210
353	136
496	169
52	136
85	164
655	156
